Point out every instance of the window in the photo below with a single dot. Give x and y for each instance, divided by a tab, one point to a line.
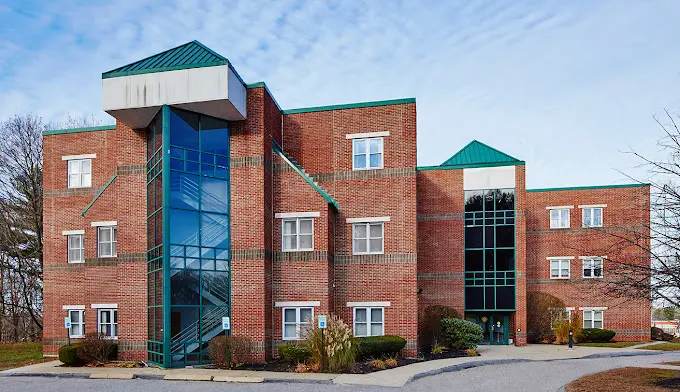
559	269
80	173
592	319
77	323
75	248
367	153
298	234
369	322
592	268
559	218
592	217
295	321
106	245
107	322
368	238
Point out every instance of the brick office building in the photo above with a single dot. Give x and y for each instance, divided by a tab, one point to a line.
206	199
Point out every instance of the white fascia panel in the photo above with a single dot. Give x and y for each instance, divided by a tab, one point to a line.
592	205
560	258
104	223
489	178
82	156
280	215
383	304
72	232
73	307
367	135
369	220
296	304
594	308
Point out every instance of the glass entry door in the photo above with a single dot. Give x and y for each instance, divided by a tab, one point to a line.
494	327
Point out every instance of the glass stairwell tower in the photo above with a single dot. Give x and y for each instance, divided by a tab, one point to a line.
188	235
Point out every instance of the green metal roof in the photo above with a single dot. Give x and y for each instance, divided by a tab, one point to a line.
299	170
588	187
190	55
350	106
77	130
478	154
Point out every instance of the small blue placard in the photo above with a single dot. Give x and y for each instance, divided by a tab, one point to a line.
226	323
322	322
67	322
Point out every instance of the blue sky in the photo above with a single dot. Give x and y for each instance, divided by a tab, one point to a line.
564	85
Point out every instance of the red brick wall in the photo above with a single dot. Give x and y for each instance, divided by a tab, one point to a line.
120	280
627	210
317	140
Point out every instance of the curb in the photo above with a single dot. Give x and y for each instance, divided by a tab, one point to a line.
473	364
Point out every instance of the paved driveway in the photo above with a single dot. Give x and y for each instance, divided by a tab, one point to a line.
519	376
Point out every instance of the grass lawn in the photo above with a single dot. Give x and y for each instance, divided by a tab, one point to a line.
627	380
610	344
14	355
671	363
663	347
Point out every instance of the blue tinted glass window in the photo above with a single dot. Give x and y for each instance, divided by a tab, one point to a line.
183	227
193	167
214	230
214	195
183	190
214	136
184	286
184	129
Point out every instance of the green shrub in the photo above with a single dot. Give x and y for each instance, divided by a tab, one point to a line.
339	349
69	355
294	354
432	326
379	346
97	347
595	335
462	334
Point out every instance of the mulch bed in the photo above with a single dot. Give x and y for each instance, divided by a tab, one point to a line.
628	379
361	367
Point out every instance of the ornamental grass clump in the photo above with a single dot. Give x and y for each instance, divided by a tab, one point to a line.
339	348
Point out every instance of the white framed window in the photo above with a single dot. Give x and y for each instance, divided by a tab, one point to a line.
559	314
106	241
559	218
76	248
592	216
592	267
367	154
297	234
77	317
559	269
369	321
107	322
368	238
295	321
593	319
79	173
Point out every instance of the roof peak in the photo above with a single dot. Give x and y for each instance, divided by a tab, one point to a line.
192	54
478	153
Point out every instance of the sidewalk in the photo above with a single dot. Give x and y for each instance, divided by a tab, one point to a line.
396	377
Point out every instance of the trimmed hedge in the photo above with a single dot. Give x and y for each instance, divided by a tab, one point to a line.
462	334
595	335
294	354
69	355
379	346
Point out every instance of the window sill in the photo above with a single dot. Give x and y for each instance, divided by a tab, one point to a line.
592	277
107	257
560	278
368	253
559	228
291	339
592	227
79	187
367	168
76	262
297	250
77	337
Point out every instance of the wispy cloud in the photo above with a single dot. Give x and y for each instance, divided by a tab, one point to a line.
563	85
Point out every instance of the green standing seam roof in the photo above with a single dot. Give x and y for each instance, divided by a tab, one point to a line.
77	130
476	153
190	55
304	175
588	187
99	194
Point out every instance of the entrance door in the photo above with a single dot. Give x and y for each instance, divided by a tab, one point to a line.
498	329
